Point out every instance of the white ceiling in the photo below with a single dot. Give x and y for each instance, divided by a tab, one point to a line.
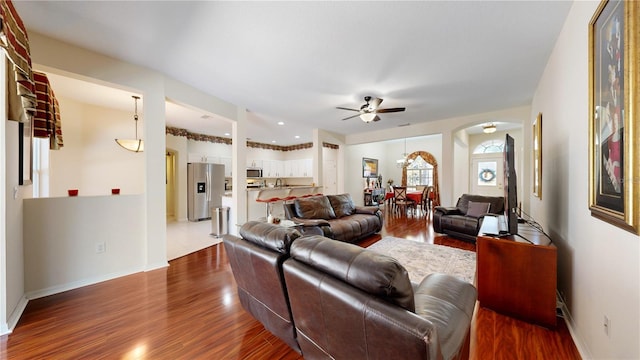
296	61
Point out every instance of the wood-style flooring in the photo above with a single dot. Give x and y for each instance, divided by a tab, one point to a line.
190	311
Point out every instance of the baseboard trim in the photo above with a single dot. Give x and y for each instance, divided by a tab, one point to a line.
36	294
156	266
577	340
13	319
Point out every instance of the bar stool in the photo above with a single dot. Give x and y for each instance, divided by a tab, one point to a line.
270	196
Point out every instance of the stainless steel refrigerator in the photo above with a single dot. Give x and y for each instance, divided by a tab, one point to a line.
206	188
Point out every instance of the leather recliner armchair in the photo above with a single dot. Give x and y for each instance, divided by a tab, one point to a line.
352	303
462	221
256	261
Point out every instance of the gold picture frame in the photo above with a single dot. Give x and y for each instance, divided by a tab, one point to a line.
537	156
614	161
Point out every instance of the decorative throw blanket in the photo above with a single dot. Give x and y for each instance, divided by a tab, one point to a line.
422	259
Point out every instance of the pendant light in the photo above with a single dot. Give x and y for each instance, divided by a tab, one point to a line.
135	145
404	162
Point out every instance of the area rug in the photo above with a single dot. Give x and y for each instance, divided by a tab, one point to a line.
422	259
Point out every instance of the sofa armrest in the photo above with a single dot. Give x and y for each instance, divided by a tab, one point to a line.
370	210
310	222
448	210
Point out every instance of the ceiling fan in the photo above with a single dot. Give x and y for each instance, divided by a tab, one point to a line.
368	112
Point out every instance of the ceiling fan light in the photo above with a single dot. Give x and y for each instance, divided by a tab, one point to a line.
489	128
368	117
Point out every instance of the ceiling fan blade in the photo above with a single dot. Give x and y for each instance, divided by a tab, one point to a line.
377	118
351	117
374	103
344	108
390	110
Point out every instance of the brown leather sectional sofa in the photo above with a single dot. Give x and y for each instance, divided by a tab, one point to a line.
336	216
333	300
463	221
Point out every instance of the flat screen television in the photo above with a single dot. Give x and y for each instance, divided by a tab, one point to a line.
510	186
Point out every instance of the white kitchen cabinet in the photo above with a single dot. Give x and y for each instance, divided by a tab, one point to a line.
272	168
227	166
254	163
212	159
196	158
291	168
306	168
298	168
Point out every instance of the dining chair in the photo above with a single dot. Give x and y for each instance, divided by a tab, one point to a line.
400	199
427	196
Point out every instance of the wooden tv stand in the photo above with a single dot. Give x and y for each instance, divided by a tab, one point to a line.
518	278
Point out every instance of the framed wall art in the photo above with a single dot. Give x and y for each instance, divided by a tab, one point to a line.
614	164
537	156
369	167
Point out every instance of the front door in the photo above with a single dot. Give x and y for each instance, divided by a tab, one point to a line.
487	175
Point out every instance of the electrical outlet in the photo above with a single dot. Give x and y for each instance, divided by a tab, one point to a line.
607	326
101	247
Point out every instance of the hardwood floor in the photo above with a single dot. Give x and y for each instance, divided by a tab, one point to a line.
190	311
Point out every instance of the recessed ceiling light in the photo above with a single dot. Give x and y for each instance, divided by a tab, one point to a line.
273	141
280	123
227	134
297	136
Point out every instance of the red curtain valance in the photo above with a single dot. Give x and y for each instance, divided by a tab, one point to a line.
46	122
14	41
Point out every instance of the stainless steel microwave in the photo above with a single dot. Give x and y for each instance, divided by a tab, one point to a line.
254	173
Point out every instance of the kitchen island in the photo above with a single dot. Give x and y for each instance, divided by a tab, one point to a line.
258	209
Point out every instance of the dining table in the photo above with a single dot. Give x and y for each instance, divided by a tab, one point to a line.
411	195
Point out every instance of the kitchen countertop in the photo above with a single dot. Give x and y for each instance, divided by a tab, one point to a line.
281	187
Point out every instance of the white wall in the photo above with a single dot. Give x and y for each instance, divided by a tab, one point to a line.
387	152
61	236
446	128
13	301
461	158
598	264
90	160
208	148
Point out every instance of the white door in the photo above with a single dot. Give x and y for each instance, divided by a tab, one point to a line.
487	175
330	177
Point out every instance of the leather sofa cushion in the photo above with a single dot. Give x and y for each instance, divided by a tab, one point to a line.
477	209
273	237
342	204
354	227
376	274
315	207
